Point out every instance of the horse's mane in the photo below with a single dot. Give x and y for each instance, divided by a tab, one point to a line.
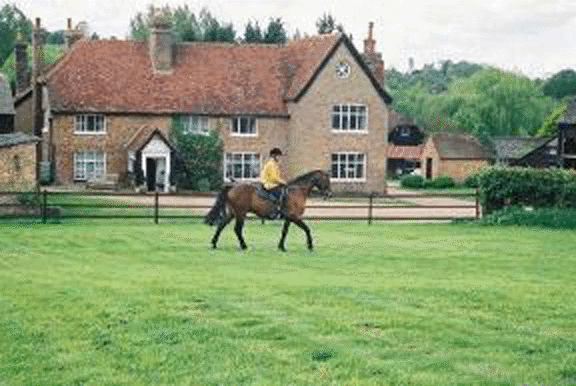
303	177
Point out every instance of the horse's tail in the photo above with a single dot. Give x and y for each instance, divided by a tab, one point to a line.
218	212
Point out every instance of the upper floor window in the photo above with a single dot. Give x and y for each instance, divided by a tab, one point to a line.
241	166
244	126
195	124
90	124
349	118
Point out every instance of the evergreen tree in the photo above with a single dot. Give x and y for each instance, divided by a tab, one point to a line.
275	33
253	34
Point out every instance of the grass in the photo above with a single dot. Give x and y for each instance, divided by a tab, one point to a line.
389	304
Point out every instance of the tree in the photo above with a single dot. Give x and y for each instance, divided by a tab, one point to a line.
275	33
561	84
185	25
327	24
56	38
253	34
549	127
12	22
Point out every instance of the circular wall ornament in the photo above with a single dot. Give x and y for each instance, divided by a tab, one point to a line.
342	69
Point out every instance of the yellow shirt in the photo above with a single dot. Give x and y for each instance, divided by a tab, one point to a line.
270	175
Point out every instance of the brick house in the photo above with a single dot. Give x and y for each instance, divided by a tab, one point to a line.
454	155
317	98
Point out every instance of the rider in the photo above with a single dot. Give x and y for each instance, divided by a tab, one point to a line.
273	183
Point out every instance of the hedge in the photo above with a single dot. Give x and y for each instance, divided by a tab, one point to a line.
504	187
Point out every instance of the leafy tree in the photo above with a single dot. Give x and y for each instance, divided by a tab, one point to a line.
56	38
12	22
253	34
199	165
327	24
561	84
275	33
549	127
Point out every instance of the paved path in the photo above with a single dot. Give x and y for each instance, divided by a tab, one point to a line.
409	206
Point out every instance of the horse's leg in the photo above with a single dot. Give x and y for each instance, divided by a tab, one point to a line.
284	233
306	230
221	226
238	229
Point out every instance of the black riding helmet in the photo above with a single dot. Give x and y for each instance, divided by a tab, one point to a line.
275	151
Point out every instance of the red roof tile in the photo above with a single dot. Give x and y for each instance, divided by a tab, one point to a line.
207	78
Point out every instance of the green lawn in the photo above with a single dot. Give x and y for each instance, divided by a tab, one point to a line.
398	304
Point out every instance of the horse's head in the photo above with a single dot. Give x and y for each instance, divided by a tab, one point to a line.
321	181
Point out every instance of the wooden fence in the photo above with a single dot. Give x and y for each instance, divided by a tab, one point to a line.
46	206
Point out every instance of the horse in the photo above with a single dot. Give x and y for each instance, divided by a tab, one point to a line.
236	201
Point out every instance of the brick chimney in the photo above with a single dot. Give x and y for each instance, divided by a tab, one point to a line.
372	58
22	70
72	35
38	34
161	43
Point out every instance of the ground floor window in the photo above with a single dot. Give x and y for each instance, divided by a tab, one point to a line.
348	166
89	165
241	166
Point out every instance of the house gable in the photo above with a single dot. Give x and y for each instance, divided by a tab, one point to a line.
354	56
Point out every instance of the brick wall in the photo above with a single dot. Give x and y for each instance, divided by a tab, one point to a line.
311	141
18	167
458	169
119	130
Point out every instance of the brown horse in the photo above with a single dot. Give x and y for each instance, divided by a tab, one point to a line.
238	200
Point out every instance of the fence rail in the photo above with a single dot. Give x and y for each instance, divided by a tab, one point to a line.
45	206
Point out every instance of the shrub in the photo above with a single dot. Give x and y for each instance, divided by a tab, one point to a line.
471	181
559	218
415	182
199	165
442	182
501	187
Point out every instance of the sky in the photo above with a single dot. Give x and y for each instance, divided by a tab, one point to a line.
534	37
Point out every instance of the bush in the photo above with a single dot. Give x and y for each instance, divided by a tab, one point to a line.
199	161
471	181
559	218
415	182
442	182
503	187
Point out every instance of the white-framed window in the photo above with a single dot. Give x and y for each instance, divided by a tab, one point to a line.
244	126
241	166
348	166
90	124
349	118
195	124
89	164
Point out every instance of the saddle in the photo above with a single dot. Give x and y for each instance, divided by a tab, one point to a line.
276	195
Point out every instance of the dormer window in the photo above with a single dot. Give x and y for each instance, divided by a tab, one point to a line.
90	124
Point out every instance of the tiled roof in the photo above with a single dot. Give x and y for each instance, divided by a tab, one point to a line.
404	152
459	146
6	101
16	139
207	78
516	147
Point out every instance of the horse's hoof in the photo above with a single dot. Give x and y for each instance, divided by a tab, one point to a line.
244	247
281	247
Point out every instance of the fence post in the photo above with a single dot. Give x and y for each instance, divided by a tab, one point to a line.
156	207
477	204
370	199
44	207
